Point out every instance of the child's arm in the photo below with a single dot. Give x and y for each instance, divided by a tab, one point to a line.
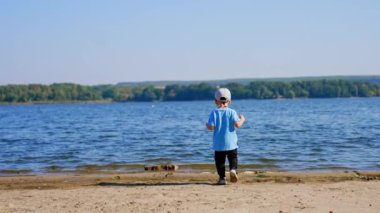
240	123
209	127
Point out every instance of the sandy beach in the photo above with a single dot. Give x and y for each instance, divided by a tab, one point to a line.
192	192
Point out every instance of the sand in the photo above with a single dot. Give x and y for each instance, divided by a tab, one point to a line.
192	192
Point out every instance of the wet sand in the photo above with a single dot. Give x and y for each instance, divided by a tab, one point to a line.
192	192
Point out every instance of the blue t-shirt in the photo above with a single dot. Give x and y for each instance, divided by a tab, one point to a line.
225	137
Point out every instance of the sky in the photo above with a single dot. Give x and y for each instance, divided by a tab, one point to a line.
105	42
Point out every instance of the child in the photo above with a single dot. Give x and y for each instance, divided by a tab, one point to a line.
223	121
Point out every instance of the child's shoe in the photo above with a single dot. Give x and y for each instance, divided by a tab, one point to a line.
222	181
233	176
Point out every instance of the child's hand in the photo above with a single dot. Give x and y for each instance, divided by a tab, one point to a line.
242	117
239	123
209	127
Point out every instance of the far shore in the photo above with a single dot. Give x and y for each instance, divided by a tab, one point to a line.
57	102
164	191
111	101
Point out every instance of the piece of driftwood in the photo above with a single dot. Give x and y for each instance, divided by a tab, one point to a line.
165	167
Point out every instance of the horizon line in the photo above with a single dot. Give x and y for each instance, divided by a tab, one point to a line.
200	81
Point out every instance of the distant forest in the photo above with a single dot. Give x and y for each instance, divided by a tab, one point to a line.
66	92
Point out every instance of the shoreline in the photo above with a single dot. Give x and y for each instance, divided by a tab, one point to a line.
179	168
95	169
55	102
165	101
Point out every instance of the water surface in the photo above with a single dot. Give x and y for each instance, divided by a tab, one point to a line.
293	135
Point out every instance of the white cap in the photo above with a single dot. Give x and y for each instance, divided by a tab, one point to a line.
223	94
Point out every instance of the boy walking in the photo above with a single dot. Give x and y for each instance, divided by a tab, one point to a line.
223	121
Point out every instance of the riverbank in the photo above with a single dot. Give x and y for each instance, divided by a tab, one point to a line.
192	192
56	102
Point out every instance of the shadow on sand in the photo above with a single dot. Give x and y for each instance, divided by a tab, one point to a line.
154	184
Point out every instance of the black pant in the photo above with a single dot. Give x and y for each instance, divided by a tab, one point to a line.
220	160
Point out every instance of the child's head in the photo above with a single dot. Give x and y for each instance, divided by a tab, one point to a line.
222	97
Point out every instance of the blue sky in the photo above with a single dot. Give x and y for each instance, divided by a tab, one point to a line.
101	42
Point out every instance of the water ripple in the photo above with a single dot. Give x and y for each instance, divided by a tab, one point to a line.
307	134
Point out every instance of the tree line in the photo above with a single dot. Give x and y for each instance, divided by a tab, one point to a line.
66	92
